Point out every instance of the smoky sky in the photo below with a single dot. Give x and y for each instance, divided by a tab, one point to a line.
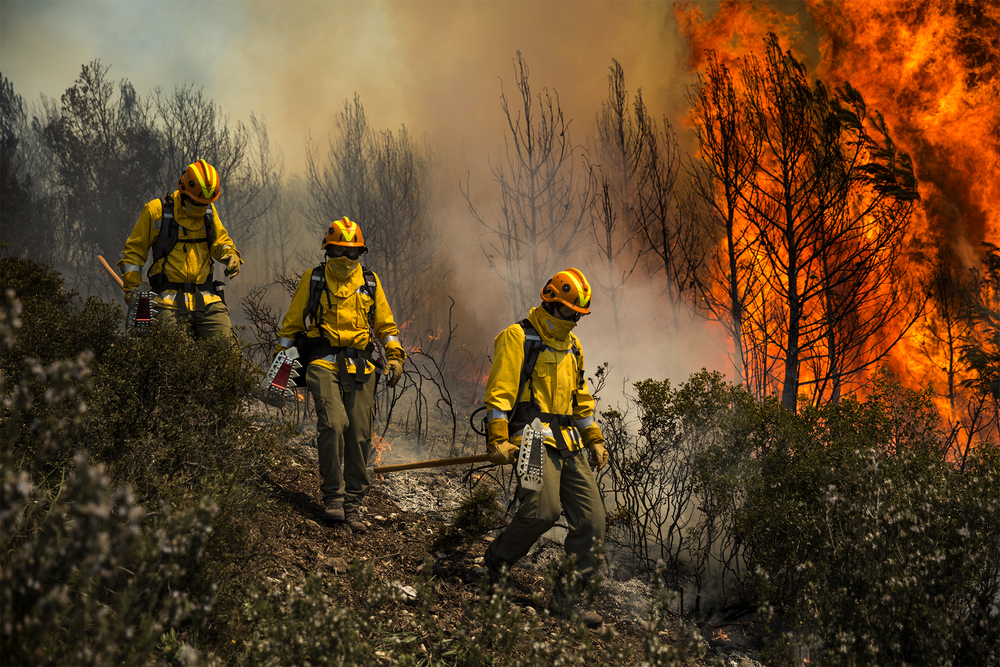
435	67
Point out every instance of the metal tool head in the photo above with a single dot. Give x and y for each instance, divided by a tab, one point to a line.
142	308
278	383
530	468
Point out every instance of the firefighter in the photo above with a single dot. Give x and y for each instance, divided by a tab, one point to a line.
185	234
555	391
342	363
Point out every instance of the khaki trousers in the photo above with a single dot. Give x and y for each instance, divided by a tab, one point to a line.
344	422
215	320
568	485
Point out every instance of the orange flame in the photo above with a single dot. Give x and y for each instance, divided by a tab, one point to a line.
380	447
932	71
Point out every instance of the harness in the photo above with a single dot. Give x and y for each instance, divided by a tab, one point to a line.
164	244
311	349
524	412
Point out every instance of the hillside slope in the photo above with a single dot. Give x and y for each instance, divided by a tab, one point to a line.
405	512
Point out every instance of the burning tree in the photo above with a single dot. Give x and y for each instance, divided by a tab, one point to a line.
818	198
728	152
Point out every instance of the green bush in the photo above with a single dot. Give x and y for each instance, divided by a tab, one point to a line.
677	481
54	336
167	417
56	326
869	539
847	522
87	578
299	624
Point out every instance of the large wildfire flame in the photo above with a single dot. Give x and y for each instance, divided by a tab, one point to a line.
932	69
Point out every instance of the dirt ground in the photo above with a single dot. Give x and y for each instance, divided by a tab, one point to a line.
404	512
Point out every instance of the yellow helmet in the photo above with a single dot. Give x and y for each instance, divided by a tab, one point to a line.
569	288
200	182
345	233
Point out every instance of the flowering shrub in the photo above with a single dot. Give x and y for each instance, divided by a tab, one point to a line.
869	539
87	578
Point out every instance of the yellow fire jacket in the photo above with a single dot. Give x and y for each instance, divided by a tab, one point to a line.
186	262
344	310
557	380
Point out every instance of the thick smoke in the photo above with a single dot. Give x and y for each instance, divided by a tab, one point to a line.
436	68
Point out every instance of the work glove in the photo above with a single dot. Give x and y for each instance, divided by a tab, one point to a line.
501	451
232	265
393	371
593	439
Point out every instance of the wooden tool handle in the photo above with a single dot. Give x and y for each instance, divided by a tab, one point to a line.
454	461
114	274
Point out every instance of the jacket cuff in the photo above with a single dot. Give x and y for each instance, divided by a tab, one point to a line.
393	350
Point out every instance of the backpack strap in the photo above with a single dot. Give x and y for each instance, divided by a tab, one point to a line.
317	285
525	411
375	348
169	237
169	232
533	346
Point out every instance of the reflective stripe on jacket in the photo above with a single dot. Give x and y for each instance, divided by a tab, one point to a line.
186	262
343	310
557	382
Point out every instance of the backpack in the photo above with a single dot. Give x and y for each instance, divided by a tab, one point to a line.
525	411
170	237
311	349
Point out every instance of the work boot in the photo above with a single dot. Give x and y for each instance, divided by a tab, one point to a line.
589	617
353	519
334	511
562	606
495	567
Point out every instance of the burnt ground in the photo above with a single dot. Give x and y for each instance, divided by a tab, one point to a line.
404	512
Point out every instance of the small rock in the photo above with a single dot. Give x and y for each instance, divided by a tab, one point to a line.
393	516
337	564
440	554
530	611
408	593
378	517
478	560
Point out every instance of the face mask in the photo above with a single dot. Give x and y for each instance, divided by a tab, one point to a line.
343	267
195	211
556	328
